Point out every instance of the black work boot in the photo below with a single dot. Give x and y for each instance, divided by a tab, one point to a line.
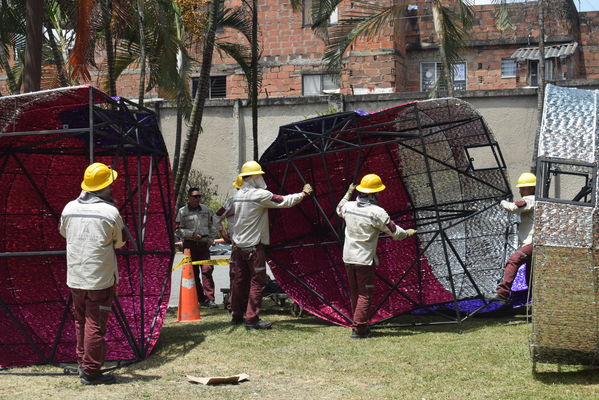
97	379
356	335
235	320
260	324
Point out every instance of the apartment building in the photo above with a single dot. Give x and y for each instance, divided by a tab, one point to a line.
405	57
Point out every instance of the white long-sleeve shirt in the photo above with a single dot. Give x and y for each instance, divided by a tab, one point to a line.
525	209
363	223
93	228
251	214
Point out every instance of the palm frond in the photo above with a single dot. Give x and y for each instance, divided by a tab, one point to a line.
456	27
236	18
502	18
322	11
366	20
79	55
239	53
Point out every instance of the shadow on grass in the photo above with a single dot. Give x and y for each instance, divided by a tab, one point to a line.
405	327
583	376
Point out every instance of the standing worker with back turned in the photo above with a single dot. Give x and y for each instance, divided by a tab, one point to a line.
364	220
527	183
250	235
93	228
195	227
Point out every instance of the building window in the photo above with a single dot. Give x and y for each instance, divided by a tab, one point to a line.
307	14
430	72
319	84
216	90
508	68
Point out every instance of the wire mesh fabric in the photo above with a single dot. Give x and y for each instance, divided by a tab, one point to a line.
566	278
420	150
47	139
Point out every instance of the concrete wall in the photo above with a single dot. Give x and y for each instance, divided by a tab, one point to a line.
226	140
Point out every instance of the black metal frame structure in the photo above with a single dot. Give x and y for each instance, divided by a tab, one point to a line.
548	167
114	127
311	141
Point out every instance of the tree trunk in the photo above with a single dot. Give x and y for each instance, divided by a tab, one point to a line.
254	83
447	73
107	21
191	141
142	52
58	60
32	68
541	79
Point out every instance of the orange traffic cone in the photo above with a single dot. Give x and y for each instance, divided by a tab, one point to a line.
189	309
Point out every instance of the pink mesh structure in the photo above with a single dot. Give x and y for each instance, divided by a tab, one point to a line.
445	177
47	139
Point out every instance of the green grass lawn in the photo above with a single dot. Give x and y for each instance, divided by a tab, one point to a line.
306	358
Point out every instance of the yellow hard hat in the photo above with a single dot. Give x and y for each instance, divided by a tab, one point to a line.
251	168
238	182
97	176
371	183
527	180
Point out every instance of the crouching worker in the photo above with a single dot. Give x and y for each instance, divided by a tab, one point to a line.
527	183
93	228
364	220
250	235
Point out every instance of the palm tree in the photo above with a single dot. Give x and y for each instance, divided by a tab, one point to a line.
234	18
32	72
12	20
198	105
253	80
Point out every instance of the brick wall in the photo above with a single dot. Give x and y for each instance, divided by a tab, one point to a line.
589	39
390	62
290	50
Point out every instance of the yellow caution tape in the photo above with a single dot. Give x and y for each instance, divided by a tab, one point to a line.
187	260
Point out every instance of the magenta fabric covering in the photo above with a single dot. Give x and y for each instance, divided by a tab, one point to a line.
332	151
39	174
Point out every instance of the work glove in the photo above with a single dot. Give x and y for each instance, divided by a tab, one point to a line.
350	191
308	190
411	232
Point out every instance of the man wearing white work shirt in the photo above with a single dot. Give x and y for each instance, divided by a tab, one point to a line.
250	235
93	228
364	221
527	183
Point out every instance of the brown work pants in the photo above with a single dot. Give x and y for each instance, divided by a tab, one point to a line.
521	256
91	310
360	279
248	283
205	286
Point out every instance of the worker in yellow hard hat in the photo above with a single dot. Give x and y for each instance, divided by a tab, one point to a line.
364	220
524	207
250	235
93	229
